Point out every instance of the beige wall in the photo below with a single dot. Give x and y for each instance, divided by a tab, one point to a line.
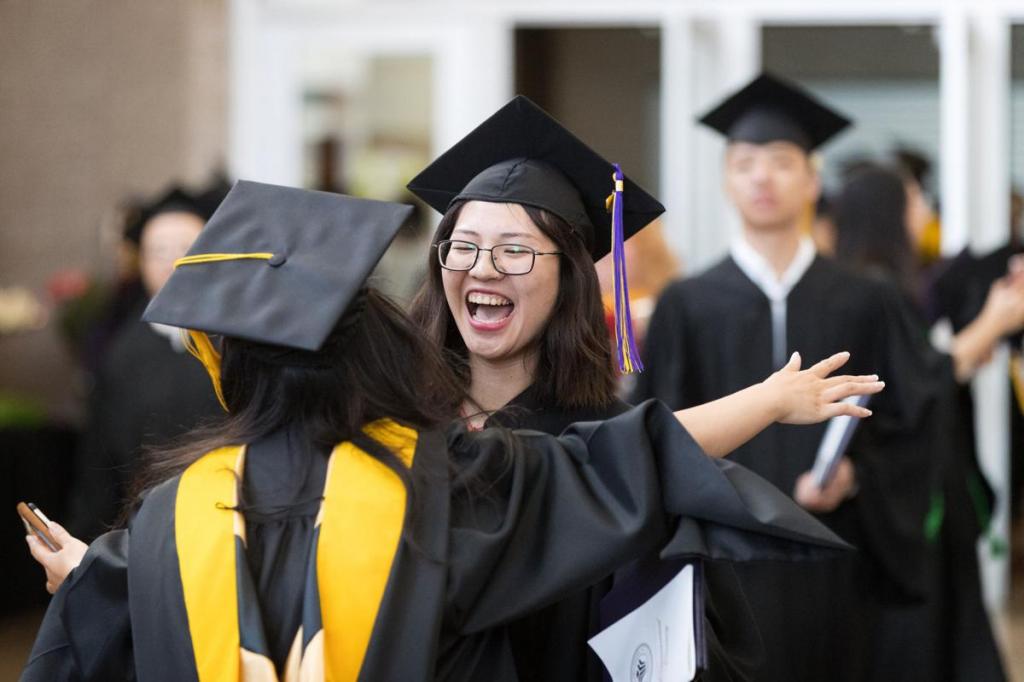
99	99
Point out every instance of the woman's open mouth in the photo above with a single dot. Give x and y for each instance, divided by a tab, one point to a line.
488	311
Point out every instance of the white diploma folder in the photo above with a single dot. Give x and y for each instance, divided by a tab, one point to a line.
657	641
833	445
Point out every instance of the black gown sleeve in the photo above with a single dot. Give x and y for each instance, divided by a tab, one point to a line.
86	632
535	516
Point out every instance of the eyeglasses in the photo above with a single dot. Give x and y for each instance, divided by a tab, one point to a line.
508	259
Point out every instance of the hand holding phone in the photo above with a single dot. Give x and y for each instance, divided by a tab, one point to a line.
56	550
36	523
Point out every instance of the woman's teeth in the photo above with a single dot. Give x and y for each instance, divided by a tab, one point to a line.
488	307
487	299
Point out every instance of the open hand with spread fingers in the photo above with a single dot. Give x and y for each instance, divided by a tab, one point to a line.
810	396
789	396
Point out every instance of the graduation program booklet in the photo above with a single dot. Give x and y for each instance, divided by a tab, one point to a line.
833	445
661	640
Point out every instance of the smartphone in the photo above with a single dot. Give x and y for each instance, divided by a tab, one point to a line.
36	522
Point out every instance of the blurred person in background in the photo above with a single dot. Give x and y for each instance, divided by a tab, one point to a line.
949	637
126	295
147	389
960	288
956	292
923	219
742	319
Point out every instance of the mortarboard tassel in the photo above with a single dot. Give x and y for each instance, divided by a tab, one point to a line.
625	344
200	346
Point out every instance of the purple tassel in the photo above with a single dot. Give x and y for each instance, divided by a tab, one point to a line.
625	343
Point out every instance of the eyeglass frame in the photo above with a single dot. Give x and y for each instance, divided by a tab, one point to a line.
494	263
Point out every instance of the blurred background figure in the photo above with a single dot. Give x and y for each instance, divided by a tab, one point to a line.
948	636
148	389
126	292
922	217
956	293
743	318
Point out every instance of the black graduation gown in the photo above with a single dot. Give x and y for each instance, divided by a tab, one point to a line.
957	292
712	335
949	638
956	289
126	303
146	394
503	526
551	644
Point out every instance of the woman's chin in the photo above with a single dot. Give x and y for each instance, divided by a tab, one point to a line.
490	349
490	353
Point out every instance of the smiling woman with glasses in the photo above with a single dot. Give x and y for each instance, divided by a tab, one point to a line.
508	259
527	333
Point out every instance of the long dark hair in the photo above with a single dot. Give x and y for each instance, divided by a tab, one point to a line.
575	368
870	218
375	364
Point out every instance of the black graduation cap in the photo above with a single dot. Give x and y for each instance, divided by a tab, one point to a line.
174	199
522	155
277	265
769	109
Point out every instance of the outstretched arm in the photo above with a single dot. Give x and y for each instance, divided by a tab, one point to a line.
1002	314
601	510
789	396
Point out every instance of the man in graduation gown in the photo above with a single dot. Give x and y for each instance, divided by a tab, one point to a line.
741	320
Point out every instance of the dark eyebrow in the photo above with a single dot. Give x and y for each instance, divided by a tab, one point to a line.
503	235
